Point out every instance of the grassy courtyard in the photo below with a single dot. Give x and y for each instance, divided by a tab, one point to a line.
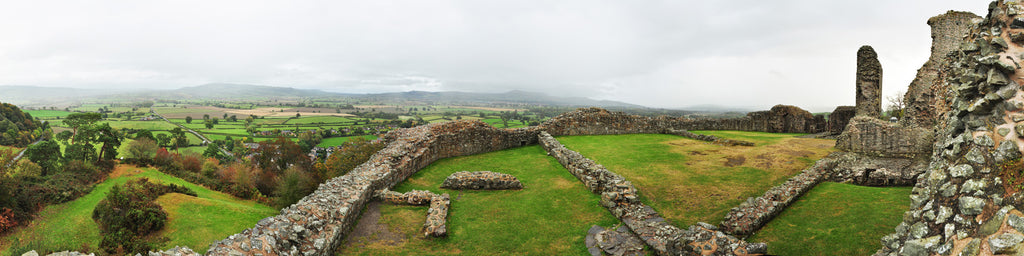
550	216
690	181
816	225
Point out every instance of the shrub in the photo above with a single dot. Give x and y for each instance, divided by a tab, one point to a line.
7	220
293	186
141	151
190	162
162	157
129	214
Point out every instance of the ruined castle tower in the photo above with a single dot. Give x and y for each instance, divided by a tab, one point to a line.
925	99
869	83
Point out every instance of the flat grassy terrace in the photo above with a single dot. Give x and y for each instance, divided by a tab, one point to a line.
550	216
817	225
690	181
192	221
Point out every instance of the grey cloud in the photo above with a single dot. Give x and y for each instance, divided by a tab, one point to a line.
655	53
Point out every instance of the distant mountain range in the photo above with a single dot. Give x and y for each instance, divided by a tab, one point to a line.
47	96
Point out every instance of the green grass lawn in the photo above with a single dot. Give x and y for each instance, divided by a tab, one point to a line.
690	181
550	216
49	114
335	141
497	123
154	125
319	119
836	219
192	222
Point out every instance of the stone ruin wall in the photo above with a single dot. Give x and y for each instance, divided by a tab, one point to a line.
619	196
873	137
869	83
961	206
926	97
751	215
317	223
839	118
596	121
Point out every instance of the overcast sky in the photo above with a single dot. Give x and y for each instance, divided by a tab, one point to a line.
655	53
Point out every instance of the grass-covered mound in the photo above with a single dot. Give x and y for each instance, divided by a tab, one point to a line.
192	221
836	219
688	180
549	216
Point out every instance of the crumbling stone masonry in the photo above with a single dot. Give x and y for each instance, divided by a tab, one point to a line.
778	119
597	121
751	215
926	97
839	118
870	136
437	214
869	83
960	206
317	223
865	170
481	180
414	197
619	196
616	242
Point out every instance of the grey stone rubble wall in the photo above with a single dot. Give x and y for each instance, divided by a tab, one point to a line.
960	206
869	83
926	97
597	121
437	216
839	118
414	197
876	171
778	119
317	223
751	215
708	138
176	251
619	196
481	180
873	137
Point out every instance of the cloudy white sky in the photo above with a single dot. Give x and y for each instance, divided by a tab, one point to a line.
669	54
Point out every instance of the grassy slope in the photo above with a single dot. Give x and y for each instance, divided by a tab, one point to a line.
687	180
192	222
550	216
817	225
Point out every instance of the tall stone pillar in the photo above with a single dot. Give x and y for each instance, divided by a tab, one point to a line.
869	83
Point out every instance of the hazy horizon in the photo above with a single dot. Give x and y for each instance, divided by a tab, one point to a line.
748	54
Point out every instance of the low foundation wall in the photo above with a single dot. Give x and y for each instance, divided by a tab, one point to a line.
751	215
620	197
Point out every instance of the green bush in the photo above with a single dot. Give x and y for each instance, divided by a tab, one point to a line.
127	215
